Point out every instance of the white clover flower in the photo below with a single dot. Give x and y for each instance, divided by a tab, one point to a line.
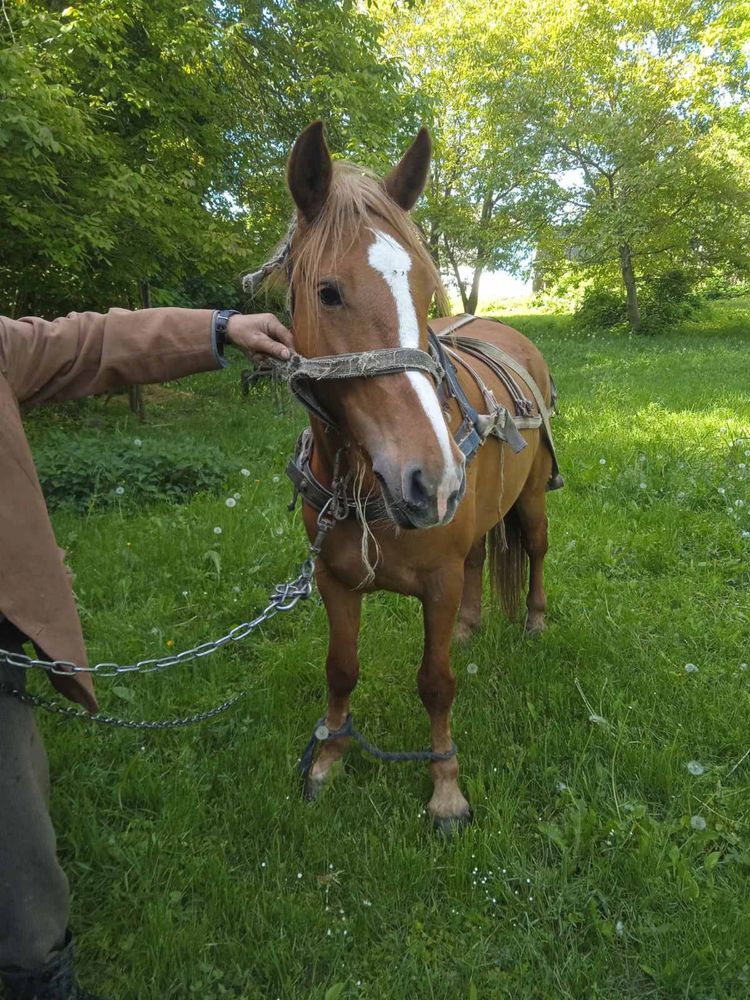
245	472
698	823
690	668
119	490
695	768
230	502
217	530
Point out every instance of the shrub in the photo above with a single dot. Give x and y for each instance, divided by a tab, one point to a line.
666	300
600	309
95	471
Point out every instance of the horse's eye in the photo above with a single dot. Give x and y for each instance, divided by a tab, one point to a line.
329	295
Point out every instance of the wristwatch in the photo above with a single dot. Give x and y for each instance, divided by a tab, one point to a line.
220	327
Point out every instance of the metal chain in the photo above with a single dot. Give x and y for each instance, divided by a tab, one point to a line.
284	597
108	720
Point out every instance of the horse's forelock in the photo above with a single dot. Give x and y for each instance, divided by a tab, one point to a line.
356	198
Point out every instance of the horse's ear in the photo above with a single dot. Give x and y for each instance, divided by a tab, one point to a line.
406	181
308	171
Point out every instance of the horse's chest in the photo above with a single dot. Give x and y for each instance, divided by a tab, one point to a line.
382	566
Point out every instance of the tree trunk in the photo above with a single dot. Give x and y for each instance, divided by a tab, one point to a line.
135	392
457	275
470	304
628	277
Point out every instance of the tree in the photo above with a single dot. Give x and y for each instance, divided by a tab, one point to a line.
486	197
638	108
147	140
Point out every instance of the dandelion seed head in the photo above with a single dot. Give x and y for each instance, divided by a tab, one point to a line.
119	490
230	502
472	668
698	823
695	768
245	472
137	442
690	668
217	530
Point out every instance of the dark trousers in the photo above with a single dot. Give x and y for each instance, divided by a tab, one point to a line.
34	895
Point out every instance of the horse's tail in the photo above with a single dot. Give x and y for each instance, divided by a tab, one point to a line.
508	563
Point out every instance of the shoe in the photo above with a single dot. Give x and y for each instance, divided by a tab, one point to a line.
54	981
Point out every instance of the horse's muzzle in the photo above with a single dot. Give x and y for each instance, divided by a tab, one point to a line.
416	502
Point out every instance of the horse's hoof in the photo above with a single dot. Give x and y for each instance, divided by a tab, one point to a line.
449	826
534	629
311	789
463	632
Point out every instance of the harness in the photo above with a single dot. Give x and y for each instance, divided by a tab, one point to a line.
474	429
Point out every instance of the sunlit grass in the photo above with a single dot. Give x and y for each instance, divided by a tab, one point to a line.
598	865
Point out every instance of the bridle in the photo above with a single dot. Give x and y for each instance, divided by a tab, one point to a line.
302	373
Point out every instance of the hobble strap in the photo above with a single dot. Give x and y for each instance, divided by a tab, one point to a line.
321	734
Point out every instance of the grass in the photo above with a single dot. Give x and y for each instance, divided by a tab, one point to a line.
598	866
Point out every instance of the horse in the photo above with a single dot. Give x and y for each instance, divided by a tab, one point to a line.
361	285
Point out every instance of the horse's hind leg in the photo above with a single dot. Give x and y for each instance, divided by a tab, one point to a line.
344	608
437	689
470	614
531	510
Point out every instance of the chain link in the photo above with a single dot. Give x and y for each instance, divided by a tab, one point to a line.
109	720
284	597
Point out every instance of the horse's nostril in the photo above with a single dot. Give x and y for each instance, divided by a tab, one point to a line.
415	488
453	499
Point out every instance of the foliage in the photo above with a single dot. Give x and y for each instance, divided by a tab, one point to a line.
147	139
582	874
89	472
609	139
484	203
600	309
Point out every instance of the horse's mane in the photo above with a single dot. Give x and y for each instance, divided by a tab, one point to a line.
356	198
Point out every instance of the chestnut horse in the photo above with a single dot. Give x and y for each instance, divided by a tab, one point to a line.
361	280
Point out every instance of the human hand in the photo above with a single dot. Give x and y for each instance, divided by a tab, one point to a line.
258	335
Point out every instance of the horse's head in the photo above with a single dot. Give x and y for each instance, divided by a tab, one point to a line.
362	280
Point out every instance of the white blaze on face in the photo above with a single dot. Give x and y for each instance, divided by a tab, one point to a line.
392	261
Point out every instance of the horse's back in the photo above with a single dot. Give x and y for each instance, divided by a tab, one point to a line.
514	343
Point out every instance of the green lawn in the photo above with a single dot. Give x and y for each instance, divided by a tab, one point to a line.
598	865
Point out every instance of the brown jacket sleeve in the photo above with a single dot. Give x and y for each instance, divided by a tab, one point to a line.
87	353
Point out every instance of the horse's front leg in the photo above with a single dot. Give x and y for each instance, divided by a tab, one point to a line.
437	689
344	607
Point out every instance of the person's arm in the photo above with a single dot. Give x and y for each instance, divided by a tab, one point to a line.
84	354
